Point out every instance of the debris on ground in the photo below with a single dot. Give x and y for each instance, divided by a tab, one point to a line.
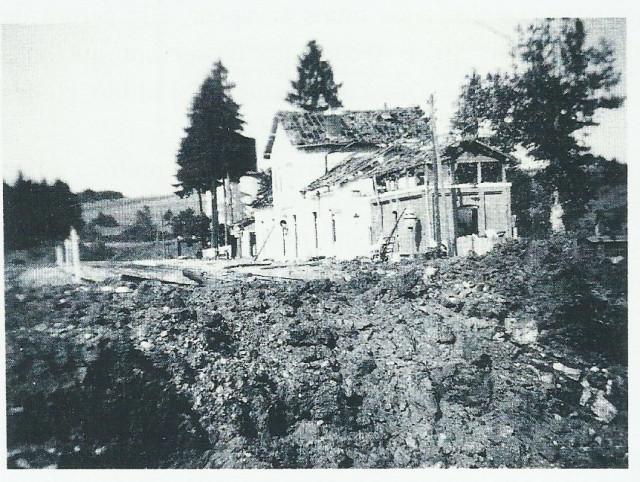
407	365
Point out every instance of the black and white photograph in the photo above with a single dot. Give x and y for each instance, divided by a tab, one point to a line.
315	235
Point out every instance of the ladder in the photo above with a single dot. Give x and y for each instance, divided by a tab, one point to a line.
388	243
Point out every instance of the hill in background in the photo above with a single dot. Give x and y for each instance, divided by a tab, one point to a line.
124	209
89	195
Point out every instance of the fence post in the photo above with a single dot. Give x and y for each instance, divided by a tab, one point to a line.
75	255
59	256
67	254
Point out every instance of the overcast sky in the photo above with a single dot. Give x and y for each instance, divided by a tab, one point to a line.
99	99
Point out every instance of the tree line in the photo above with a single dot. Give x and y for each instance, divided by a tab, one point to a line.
38	212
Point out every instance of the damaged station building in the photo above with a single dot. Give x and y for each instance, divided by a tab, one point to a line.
350	184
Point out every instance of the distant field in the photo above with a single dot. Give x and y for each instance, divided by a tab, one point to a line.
124	210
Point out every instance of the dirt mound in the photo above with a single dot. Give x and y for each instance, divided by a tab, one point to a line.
80	395
385	366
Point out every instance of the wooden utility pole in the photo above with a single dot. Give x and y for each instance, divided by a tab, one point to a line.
214	215
225	185
438	172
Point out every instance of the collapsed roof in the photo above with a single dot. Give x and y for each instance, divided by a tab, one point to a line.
398	157
367	127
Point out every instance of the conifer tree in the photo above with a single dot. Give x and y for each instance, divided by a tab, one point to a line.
315	89
213	148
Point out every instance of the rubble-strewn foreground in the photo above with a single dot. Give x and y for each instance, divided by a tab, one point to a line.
483	362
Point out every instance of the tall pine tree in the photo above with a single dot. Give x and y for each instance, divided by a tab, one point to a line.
315	89
543	105
213	148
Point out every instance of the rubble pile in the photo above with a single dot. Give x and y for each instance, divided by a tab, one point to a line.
384	366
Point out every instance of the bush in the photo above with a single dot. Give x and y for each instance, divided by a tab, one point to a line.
95	251
143	228
187	223
105	220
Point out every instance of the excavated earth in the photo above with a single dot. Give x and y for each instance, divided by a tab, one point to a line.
416	365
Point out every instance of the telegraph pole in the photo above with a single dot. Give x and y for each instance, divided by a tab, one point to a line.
438	172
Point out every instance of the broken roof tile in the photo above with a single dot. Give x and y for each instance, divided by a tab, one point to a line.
372	127
395	158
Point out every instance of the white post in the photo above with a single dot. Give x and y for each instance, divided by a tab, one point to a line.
75	255
67	254
59	256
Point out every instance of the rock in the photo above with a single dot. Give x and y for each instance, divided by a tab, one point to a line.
573	373
309	335
585	396
367	366
451	302
446	335
405	282
509	323
429	272
362	324
499	336
146	345
597	379
411	442
41	327
20	297
603	408
22	464
547	379
522	333
525	334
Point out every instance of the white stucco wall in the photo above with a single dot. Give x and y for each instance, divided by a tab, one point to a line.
296	229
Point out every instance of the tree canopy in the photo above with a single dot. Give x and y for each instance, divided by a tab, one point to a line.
143	228
105	220
315	89
213	147
187	223
38	212
544	104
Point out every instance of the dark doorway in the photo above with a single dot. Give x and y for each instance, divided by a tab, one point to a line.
467	220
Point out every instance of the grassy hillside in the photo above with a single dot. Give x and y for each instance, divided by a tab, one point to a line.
124	210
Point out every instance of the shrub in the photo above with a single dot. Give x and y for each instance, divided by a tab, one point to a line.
95	251
105	220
